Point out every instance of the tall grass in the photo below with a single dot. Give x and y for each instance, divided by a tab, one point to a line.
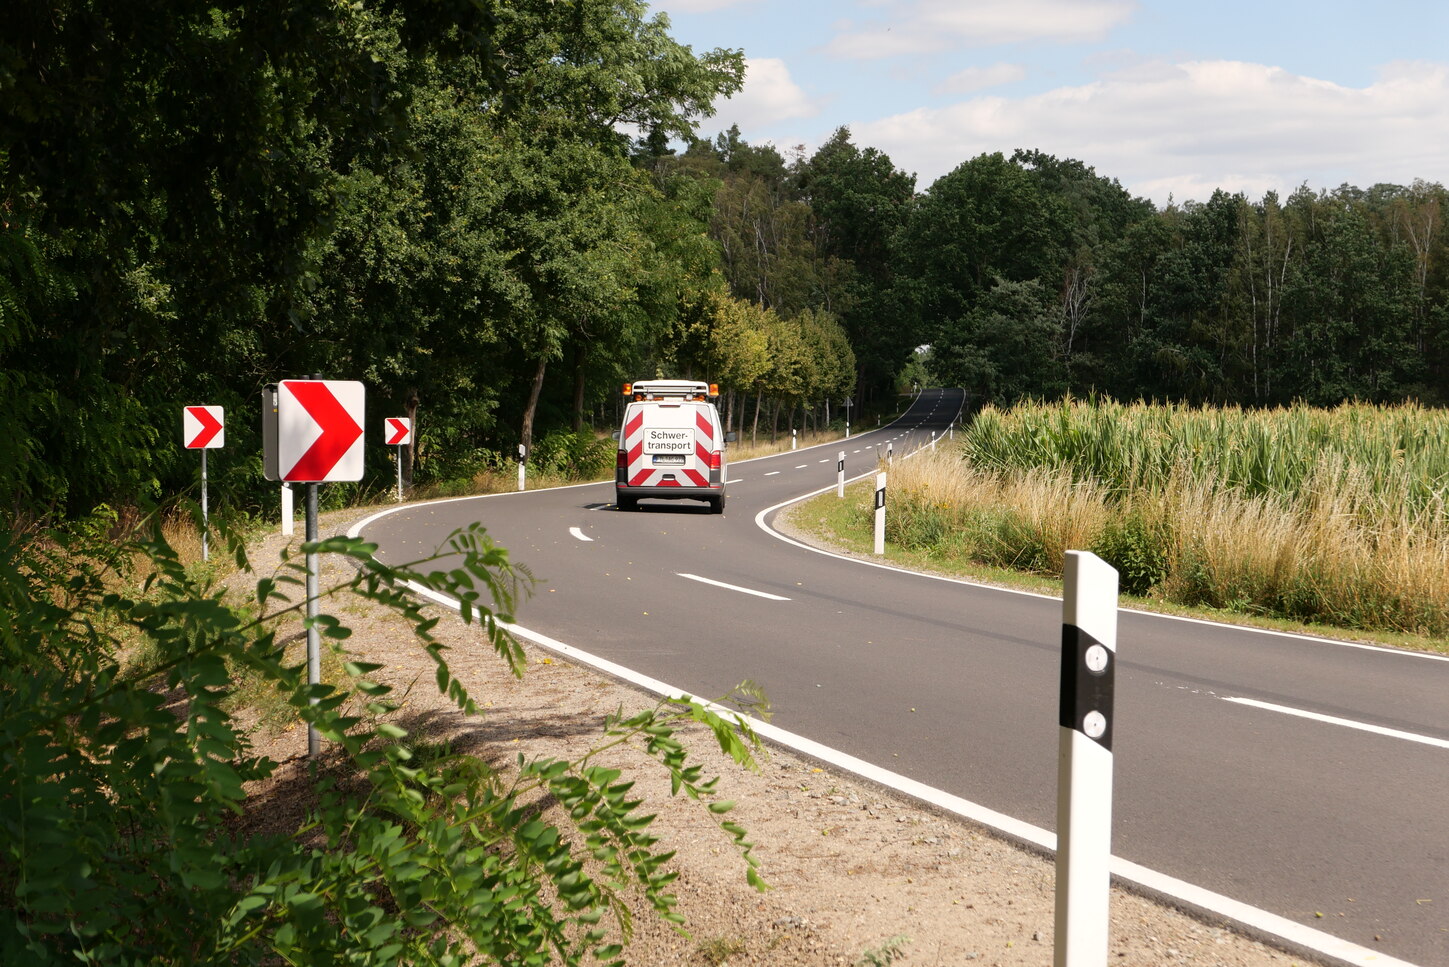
1335	516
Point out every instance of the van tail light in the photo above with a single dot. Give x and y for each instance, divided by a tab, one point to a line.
713	457
621	460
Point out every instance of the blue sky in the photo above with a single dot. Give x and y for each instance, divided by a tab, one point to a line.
1173	99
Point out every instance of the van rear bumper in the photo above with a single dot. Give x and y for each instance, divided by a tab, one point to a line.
669	493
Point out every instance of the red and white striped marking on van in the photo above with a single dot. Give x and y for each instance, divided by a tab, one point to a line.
642	472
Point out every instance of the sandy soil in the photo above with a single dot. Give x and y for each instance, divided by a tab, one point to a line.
859	875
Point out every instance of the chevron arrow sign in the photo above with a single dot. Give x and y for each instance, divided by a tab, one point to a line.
319	430
397	431
203	427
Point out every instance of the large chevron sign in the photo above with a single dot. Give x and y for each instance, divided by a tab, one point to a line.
318	430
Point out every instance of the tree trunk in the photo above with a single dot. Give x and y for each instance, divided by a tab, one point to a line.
755	427
526	437
409	452
580	355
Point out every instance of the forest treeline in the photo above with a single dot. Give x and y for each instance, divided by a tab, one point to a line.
494	213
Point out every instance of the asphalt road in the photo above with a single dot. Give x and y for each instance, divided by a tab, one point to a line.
1345	814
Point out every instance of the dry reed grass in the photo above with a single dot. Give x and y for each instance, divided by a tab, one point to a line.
1354	542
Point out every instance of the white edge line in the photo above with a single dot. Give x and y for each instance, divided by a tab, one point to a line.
1346	723
580	534
1300	935
732	587
1316	941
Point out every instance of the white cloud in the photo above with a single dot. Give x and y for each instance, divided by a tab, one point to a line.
769	96
974	79
927	26
1187	128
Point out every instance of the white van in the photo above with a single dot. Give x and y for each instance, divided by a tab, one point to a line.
672	445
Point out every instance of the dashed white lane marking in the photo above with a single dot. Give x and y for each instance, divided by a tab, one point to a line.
772	473
826	460
580	534
734	587
802	466
1346	723
735	480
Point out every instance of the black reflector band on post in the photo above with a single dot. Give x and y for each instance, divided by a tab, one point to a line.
1089	671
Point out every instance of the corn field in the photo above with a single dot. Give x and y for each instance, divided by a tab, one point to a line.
1335	516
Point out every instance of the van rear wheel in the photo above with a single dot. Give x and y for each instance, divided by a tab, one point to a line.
716	504
627	503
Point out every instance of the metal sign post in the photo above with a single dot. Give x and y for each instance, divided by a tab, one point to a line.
312	433
203	428
205	516
840	475
880	488
1084	760
398	431
314	637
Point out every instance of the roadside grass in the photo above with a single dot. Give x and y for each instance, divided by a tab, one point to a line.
848	526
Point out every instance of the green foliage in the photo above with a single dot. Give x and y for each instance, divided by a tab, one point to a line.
716	951
886	954
1137	550
574	456
128	834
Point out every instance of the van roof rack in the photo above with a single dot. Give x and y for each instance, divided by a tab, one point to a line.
664	388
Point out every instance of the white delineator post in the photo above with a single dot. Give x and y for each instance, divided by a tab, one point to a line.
289	513
933	441
880	485
792	439
890	452
1084	760
522	474
840	475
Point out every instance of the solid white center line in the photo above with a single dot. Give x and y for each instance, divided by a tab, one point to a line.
733	587
580	534
1346	723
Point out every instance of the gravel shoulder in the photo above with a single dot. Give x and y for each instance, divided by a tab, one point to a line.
858	874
